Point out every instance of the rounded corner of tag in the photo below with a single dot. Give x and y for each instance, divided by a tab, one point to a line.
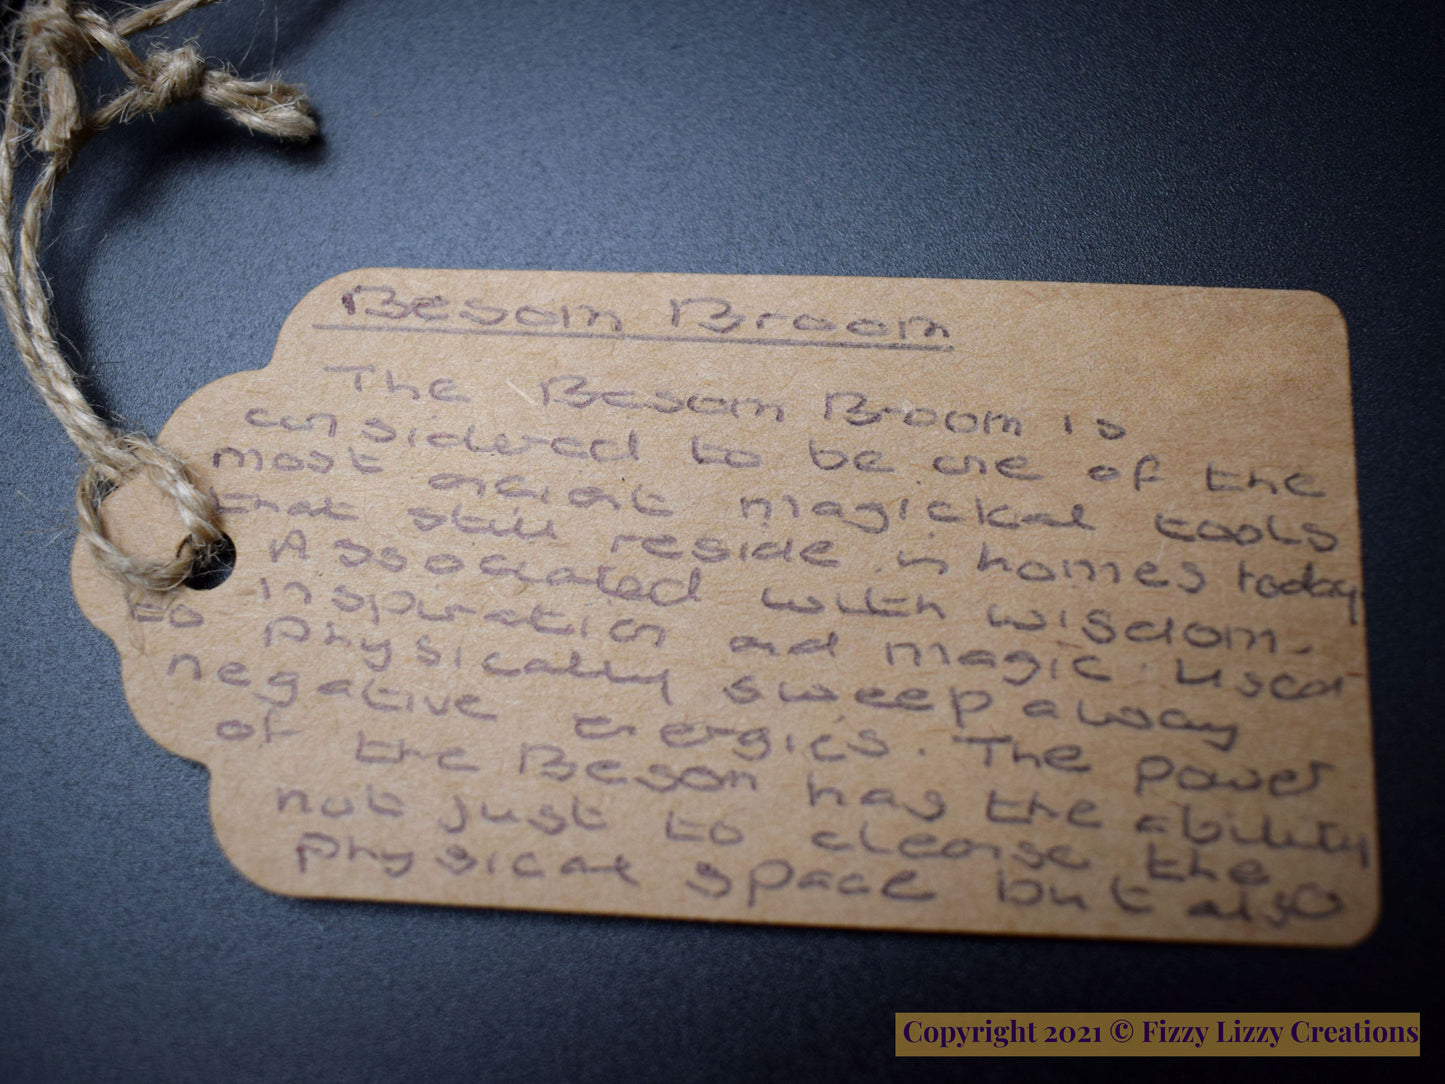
268	872
1322	306
267	876
327	298
1363	928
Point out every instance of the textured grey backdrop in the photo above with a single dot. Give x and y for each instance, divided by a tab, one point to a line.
1289	145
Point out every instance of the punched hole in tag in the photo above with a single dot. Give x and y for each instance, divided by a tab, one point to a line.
142	520
213	567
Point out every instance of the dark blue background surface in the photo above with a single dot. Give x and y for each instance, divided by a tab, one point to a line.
1293	145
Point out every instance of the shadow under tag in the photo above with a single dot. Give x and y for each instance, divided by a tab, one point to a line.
938	605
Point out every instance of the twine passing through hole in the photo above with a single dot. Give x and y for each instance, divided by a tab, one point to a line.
46	109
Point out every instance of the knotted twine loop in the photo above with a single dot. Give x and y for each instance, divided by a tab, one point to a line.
51	42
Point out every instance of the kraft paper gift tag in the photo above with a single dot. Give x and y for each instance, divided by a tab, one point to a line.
973	606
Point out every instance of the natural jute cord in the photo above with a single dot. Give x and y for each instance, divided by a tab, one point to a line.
50	43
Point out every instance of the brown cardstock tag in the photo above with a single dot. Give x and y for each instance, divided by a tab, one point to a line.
981	606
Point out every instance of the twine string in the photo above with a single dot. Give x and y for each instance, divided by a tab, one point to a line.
46	115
